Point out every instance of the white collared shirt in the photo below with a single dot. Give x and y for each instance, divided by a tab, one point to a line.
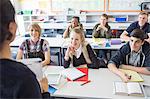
78	51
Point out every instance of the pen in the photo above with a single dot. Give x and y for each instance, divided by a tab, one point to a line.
85	82
129	77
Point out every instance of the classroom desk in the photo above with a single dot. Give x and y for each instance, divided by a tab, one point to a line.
53	42
61	44
101	85
96	45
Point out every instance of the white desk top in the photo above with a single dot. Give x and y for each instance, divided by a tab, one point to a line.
95	45
53	42
101	85
63	43
113	25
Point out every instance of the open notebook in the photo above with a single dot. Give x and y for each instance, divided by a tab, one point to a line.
135	77
84	78
130	88
73	73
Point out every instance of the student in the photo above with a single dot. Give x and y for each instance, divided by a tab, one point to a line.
102	30
135	55
17	80
75	22
35	47
79	52
142	23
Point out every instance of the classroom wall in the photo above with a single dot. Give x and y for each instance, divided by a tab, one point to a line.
59	12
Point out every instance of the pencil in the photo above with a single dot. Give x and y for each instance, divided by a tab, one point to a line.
85	82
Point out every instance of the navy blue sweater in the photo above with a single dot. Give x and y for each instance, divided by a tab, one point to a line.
18	81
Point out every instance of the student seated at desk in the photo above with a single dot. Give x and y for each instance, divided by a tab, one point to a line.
102	30
35	47
135	55
79	52
142	23
75	22
17	81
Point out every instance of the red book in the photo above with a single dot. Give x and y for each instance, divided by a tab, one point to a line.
84	78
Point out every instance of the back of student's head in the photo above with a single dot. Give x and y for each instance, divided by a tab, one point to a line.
79	31
138	33
7	15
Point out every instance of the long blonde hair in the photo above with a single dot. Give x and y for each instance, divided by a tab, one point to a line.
83	43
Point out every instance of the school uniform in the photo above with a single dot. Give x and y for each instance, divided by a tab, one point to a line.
85	56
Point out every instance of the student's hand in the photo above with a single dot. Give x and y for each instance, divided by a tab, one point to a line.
70	50
103	27
98	28
69	26
44	84
125	78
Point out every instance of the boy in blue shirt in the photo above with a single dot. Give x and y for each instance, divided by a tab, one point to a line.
142	24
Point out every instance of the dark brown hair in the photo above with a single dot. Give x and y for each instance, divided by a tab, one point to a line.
7	15
138	33
105	15
76	17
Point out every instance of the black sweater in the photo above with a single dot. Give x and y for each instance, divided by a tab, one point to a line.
96	63
17	81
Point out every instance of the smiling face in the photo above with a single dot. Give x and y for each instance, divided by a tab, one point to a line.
35	32
135	44
75	40
142	19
